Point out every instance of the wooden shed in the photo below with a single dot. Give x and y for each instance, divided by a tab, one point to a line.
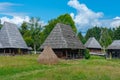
113	50
64	42
93	45
11	40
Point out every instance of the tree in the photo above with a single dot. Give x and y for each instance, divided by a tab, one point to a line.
93	32
25	31
31	33
87	54
23	28
81	38
105	38
67	19
117	33
35	30
111	33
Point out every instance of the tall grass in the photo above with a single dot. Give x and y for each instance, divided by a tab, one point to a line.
27	68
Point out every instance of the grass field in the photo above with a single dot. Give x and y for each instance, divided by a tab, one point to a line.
27	68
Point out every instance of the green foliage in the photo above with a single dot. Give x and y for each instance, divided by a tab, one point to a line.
31	33
117	33
111	33
93	32
67	19
105	38
25	31
81	38
87	54
24	28
35	31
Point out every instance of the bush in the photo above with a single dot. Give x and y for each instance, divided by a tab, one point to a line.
87	54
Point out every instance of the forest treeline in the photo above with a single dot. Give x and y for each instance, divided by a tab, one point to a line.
34	34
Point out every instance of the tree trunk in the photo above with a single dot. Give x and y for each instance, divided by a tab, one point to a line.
34	49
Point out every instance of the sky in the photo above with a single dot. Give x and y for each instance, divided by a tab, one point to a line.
85	13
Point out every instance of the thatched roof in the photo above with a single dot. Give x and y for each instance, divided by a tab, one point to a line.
115	45
10	37
92	43
63	37
0	45
47	56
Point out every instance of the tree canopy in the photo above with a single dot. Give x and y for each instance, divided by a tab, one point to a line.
117	33
31	32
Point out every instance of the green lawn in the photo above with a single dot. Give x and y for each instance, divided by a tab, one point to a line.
27	68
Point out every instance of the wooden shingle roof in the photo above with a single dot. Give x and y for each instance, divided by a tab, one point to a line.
115	45
10	37
63	37
92	43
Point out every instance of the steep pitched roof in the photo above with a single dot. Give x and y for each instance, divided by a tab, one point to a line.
62	36
0	45
92	43
10	37
115	45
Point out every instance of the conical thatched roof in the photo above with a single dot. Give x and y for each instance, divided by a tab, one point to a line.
10	37
115	45
48	56
63	37
92	43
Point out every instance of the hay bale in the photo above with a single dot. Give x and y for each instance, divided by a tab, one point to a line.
47	56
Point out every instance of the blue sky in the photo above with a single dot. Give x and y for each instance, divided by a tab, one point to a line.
85	13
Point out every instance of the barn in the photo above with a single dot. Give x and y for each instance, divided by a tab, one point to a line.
113	50
93	45
64	42
11	41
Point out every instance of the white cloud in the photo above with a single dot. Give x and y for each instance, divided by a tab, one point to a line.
85	17
15	19
18	20
117	18
115	23
6	5
6	9
13	13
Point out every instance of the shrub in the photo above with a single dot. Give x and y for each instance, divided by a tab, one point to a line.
87	54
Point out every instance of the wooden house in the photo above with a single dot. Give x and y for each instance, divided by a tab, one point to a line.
93	45
11	40
64	42
113	50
